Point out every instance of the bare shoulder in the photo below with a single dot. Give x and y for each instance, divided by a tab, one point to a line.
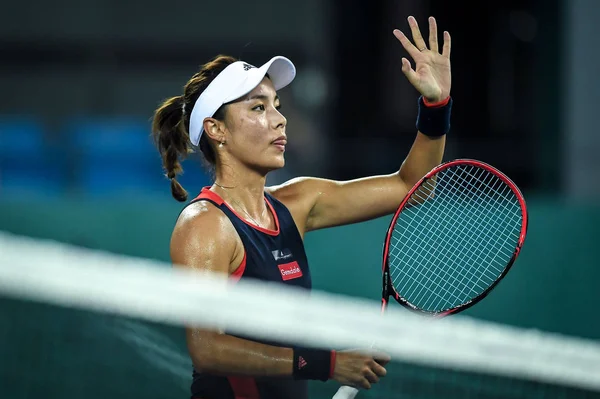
200	214
204	237
299	196
300	189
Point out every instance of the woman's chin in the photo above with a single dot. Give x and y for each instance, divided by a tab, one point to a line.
275	164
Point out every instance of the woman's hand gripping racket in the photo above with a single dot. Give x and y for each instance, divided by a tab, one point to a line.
452	239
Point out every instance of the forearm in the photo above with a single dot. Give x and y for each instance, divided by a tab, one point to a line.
226	354
433	122
425	153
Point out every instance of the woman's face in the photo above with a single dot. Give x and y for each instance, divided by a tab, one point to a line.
255	129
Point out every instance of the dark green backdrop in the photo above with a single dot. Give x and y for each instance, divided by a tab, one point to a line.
57	353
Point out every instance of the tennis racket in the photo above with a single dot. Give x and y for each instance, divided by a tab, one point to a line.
453	238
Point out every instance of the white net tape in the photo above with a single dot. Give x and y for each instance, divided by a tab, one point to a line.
79	278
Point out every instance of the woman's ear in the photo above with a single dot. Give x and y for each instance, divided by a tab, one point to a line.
214	129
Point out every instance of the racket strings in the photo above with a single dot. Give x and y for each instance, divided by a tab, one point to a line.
437	285
504	193
466	216
421	257
469	218
479	285
451	238
446	209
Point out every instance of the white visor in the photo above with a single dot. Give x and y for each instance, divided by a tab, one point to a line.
235	81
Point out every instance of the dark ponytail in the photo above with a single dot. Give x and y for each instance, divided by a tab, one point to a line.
171	124
172	142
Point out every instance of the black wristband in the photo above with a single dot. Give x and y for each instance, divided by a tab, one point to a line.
434	120
313	364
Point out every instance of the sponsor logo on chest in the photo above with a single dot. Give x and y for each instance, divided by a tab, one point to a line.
290	271
281	254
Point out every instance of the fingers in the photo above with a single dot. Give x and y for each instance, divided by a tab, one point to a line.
364	384
408	71
371	376
416	34
379	369
433	35
360	369
419	43
406	43
381	357
447	45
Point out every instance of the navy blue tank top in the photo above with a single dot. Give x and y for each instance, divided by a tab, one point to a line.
269	255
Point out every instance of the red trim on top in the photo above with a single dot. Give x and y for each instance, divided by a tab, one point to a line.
211	195
436	104
208	194
267	231
332	364
244	387
237	274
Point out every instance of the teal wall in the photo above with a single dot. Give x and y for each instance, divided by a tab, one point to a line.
553	286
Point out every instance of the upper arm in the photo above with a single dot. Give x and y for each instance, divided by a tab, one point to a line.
327	203
205	241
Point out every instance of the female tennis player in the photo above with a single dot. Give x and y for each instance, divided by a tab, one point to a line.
239	228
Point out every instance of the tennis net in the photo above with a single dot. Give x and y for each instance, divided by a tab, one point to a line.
77	322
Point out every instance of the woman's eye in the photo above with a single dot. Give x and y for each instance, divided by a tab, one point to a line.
259	108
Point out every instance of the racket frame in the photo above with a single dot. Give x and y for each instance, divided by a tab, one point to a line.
388	287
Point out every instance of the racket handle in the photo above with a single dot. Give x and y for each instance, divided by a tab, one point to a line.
346	392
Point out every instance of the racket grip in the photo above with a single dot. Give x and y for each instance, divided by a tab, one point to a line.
346	392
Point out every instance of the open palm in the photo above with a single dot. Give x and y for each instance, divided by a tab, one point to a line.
431	75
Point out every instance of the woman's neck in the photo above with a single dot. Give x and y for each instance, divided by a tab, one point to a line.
245	193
